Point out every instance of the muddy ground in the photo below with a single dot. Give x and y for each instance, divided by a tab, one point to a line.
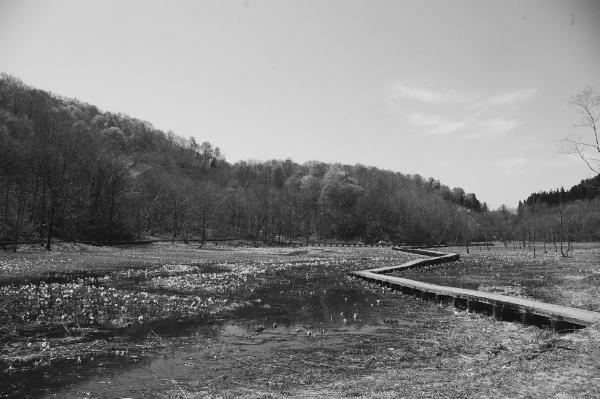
178	321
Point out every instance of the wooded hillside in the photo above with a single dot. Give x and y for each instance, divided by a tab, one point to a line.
587	189
572	214
71	171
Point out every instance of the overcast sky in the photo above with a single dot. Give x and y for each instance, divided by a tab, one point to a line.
473	93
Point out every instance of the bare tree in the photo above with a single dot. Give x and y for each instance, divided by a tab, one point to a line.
587	147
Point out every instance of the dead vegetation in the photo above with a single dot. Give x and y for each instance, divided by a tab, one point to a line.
549	277
297	327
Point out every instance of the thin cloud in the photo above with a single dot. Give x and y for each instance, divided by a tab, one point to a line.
473	116
427	95
508	99
490	128
437	125
433	96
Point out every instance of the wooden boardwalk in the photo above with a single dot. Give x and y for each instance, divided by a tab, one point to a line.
501	306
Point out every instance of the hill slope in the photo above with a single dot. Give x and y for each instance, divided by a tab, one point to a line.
69	170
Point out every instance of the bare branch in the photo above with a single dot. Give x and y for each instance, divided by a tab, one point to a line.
582	156
588	106
568	140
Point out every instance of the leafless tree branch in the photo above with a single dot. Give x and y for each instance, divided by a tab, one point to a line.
569	140
582	156
588	106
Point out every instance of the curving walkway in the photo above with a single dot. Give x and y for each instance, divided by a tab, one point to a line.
504	307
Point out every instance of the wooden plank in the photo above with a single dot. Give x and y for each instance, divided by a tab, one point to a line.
419	251
573	315
417	263
525	307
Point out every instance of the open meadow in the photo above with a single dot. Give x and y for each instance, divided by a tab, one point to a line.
177	321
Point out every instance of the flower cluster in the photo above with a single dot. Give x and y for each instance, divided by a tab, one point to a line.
81	304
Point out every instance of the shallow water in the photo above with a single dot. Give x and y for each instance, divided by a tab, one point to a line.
219	353
284	315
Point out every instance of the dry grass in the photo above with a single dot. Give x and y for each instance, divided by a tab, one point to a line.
443	356
573	281
398	346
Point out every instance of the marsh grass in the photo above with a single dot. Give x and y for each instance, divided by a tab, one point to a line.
295	333
549	277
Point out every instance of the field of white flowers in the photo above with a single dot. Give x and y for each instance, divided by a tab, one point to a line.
177	321
51	301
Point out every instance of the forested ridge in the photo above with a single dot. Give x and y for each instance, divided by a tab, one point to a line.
560	214
71	171
587	189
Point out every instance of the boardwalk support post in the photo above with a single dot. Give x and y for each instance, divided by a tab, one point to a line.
497	311
524	316
470	306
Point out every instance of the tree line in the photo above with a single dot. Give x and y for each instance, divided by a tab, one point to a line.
562	215
587	189
71	171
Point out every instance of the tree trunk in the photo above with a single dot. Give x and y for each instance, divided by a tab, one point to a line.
203	226
174	232
533	238
562	238
50	224
111	215
4	231
545	239
20	210
43	216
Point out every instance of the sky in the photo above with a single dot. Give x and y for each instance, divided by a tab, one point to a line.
473	93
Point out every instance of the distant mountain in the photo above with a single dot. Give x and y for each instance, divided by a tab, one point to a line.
72	171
